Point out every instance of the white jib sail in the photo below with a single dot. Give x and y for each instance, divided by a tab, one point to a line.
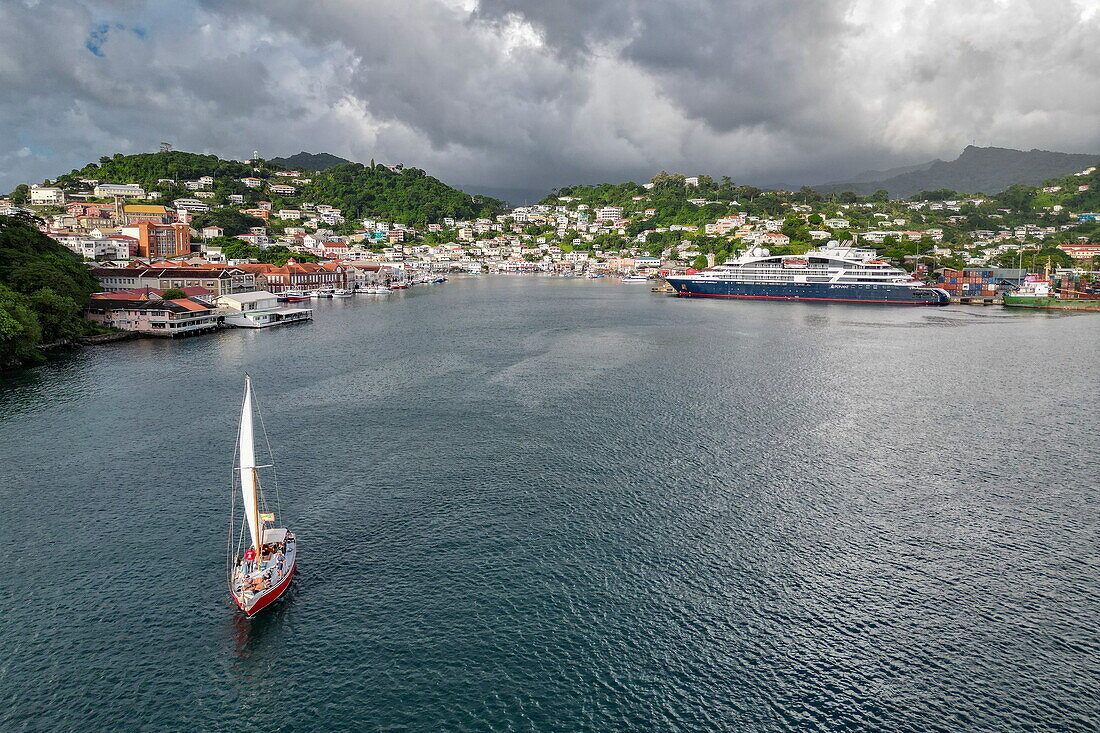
248	468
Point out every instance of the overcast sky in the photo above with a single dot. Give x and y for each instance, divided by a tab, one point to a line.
531	94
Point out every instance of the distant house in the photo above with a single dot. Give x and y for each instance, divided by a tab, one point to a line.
45	195
252	182
122	190
191	204
143	212
211	232
1081	251
282	189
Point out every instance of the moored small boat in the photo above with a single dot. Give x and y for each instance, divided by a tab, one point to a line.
293	296
341	293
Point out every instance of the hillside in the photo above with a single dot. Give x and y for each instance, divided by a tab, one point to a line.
406	195
148	168
976	170
308	161
43	290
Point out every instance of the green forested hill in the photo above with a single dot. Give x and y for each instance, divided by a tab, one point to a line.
671	199
409	196
309	161
406	195
43	290
148	168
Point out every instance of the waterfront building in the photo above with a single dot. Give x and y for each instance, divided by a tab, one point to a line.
195	293
296	275
258	309
220	280
168	318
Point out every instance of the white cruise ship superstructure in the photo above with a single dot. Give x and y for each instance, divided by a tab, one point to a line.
834	272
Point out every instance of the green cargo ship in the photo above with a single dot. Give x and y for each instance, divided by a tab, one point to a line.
1040	294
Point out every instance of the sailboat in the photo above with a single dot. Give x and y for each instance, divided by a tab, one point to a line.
262	573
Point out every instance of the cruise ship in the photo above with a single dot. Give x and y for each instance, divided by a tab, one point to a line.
834	272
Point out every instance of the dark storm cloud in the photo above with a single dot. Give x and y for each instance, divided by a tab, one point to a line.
528	93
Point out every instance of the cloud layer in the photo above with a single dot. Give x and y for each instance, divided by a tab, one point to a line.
531	94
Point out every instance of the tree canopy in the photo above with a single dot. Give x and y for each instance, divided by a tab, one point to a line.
43	290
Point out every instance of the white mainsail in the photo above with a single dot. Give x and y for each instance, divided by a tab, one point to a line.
248	467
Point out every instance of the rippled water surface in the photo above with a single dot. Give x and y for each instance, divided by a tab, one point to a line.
537	504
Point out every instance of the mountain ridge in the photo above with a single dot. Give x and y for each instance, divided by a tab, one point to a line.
986	170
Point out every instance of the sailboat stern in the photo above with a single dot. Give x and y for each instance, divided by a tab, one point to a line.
256	588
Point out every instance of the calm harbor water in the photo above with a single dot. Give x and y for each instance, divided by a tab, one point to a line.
540	504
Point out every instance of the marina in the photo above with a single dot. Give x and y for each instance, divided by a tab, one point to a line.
658	502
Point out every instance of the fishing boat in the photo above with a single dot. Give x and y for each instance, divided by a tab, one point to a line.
293	296
375	290
399	285
260	574
341	293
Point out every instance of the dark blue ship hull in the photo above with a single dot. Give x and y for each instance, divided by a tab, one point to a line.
835	292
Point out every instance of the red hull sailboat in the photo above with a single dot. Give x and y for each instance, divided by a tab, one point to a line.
262	573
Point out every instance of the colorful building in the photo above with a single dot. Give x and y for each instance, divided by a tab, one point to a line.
169	318
160	240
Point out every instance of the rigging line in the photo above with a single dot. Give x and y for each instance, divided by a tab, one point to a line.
233	501
229	554
271	454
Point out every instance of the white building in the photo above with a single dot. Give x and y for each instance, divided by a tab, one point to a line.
47	195
258	309
91	248
123	190
609	213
